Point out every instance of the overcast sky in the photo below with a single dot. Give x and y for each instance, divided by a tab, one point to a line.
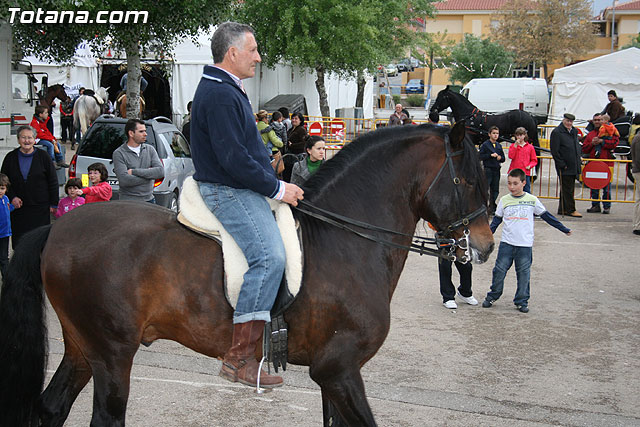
598	5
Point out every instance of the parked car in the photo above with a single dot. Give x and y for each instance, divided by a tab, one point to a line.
414	86
405	65
391	70
402	67
107	133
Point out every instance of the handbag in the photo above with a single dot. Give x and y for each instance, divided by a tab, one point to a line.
277	164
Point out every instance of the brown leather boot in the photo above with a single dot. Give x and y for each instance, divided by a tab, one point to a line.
240	364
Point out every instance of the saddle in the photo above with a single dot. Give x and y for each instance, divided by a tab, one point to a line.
196	216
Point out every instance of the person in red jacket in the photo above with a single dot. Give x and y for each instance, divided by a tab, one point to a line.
45	138
100	190
523	156
600	147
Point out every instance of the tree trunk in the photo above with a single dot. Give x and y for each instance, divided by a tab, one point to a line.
322	92
362	82
428	88
134	74
546	72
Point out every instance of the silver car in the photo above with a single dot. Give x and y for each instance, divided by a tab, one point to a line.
107	133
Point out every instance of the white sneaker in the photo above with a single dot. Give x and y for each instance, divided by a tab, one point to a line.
451	304
470	300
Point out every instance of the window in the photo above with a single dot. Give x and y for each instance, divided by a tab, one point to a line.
180	146
104	137
20	86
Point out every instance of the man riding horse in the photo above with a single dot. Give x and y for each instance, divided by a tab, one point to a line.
234	175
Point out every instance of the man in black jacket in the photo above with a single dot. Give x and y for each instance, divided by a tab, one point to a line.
565	150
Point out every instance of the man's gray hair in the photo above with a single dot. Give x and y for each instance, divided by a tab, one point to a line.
227	34
26	127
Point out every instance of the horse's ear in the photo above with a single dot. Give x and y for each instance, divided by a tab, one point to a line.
457	134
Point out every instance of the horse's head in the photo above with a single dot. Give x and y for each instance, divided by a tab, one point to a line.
455	200
102	93
58	91
442	100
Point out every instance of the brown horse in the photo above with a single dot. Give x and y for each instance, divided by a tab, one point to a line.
121	104
53	92
120	283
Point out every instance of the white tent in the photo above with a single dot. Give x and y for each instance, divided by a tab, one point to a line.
190	58
581	89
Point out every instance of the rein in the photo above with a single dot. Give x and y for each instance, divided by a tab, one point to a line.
446	247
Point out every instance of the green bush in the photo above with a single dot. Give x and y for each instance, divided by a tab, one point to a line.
396	99
415	100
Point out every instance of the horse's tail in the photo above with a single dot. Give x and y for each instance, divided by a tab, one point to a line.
23	333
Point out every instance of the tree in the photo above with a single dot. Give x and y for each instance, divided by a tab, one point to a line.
435	46
545	31
476	58
332	36
156	27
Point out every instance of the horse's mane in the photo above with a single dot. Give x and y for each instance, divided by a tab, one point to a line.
356	156
471	168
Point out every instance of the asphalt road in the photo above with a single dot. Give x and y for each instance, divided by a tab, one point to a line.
571	361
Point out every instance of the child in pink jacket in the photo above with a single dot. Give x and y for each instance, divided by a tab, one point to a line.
72	200
523	156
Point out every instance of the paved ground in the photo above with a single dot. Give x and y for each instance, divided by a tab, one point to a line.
571	361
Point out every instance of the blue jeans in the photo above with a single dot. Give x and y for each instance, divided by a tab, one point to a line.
49	145
246	215
507	254
527	185
606	194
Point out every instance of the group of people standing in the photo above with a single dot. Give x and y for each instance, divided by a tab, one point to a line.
29	183
283	135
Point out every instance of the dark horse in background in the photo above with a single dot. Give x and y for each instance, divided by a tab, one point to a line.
479	122
50	94
120	282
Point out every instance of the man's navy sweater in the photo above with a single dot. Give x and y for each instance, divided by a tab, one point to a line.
226	146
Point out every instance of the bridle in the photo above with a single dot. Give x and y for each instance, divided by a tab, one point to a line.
445	245
464	219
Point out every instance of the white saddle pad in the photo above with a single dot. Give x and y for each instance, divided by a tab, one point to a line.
194	210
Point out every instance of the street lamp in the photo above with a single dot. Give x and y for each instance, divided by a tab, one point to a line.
613	23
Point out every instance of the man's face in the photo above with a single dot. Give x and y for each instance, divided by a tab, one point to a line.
597	121
43	115
398	108
245	58
139	135
567	123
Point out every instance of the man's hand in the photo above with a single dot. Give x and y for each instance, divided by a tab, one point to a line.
292	193
129	171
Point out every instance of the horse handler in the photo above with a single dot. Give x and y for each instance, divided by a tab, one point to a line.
234	175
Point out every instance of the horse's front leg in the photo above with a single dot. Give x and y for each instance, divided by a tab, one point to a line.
344	402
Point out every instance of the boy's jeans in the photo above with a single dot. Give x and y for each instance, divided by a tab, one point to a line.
246	215
507	254
56	157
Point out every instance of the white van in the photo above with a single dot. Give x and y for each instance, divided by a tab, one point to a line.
496	95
